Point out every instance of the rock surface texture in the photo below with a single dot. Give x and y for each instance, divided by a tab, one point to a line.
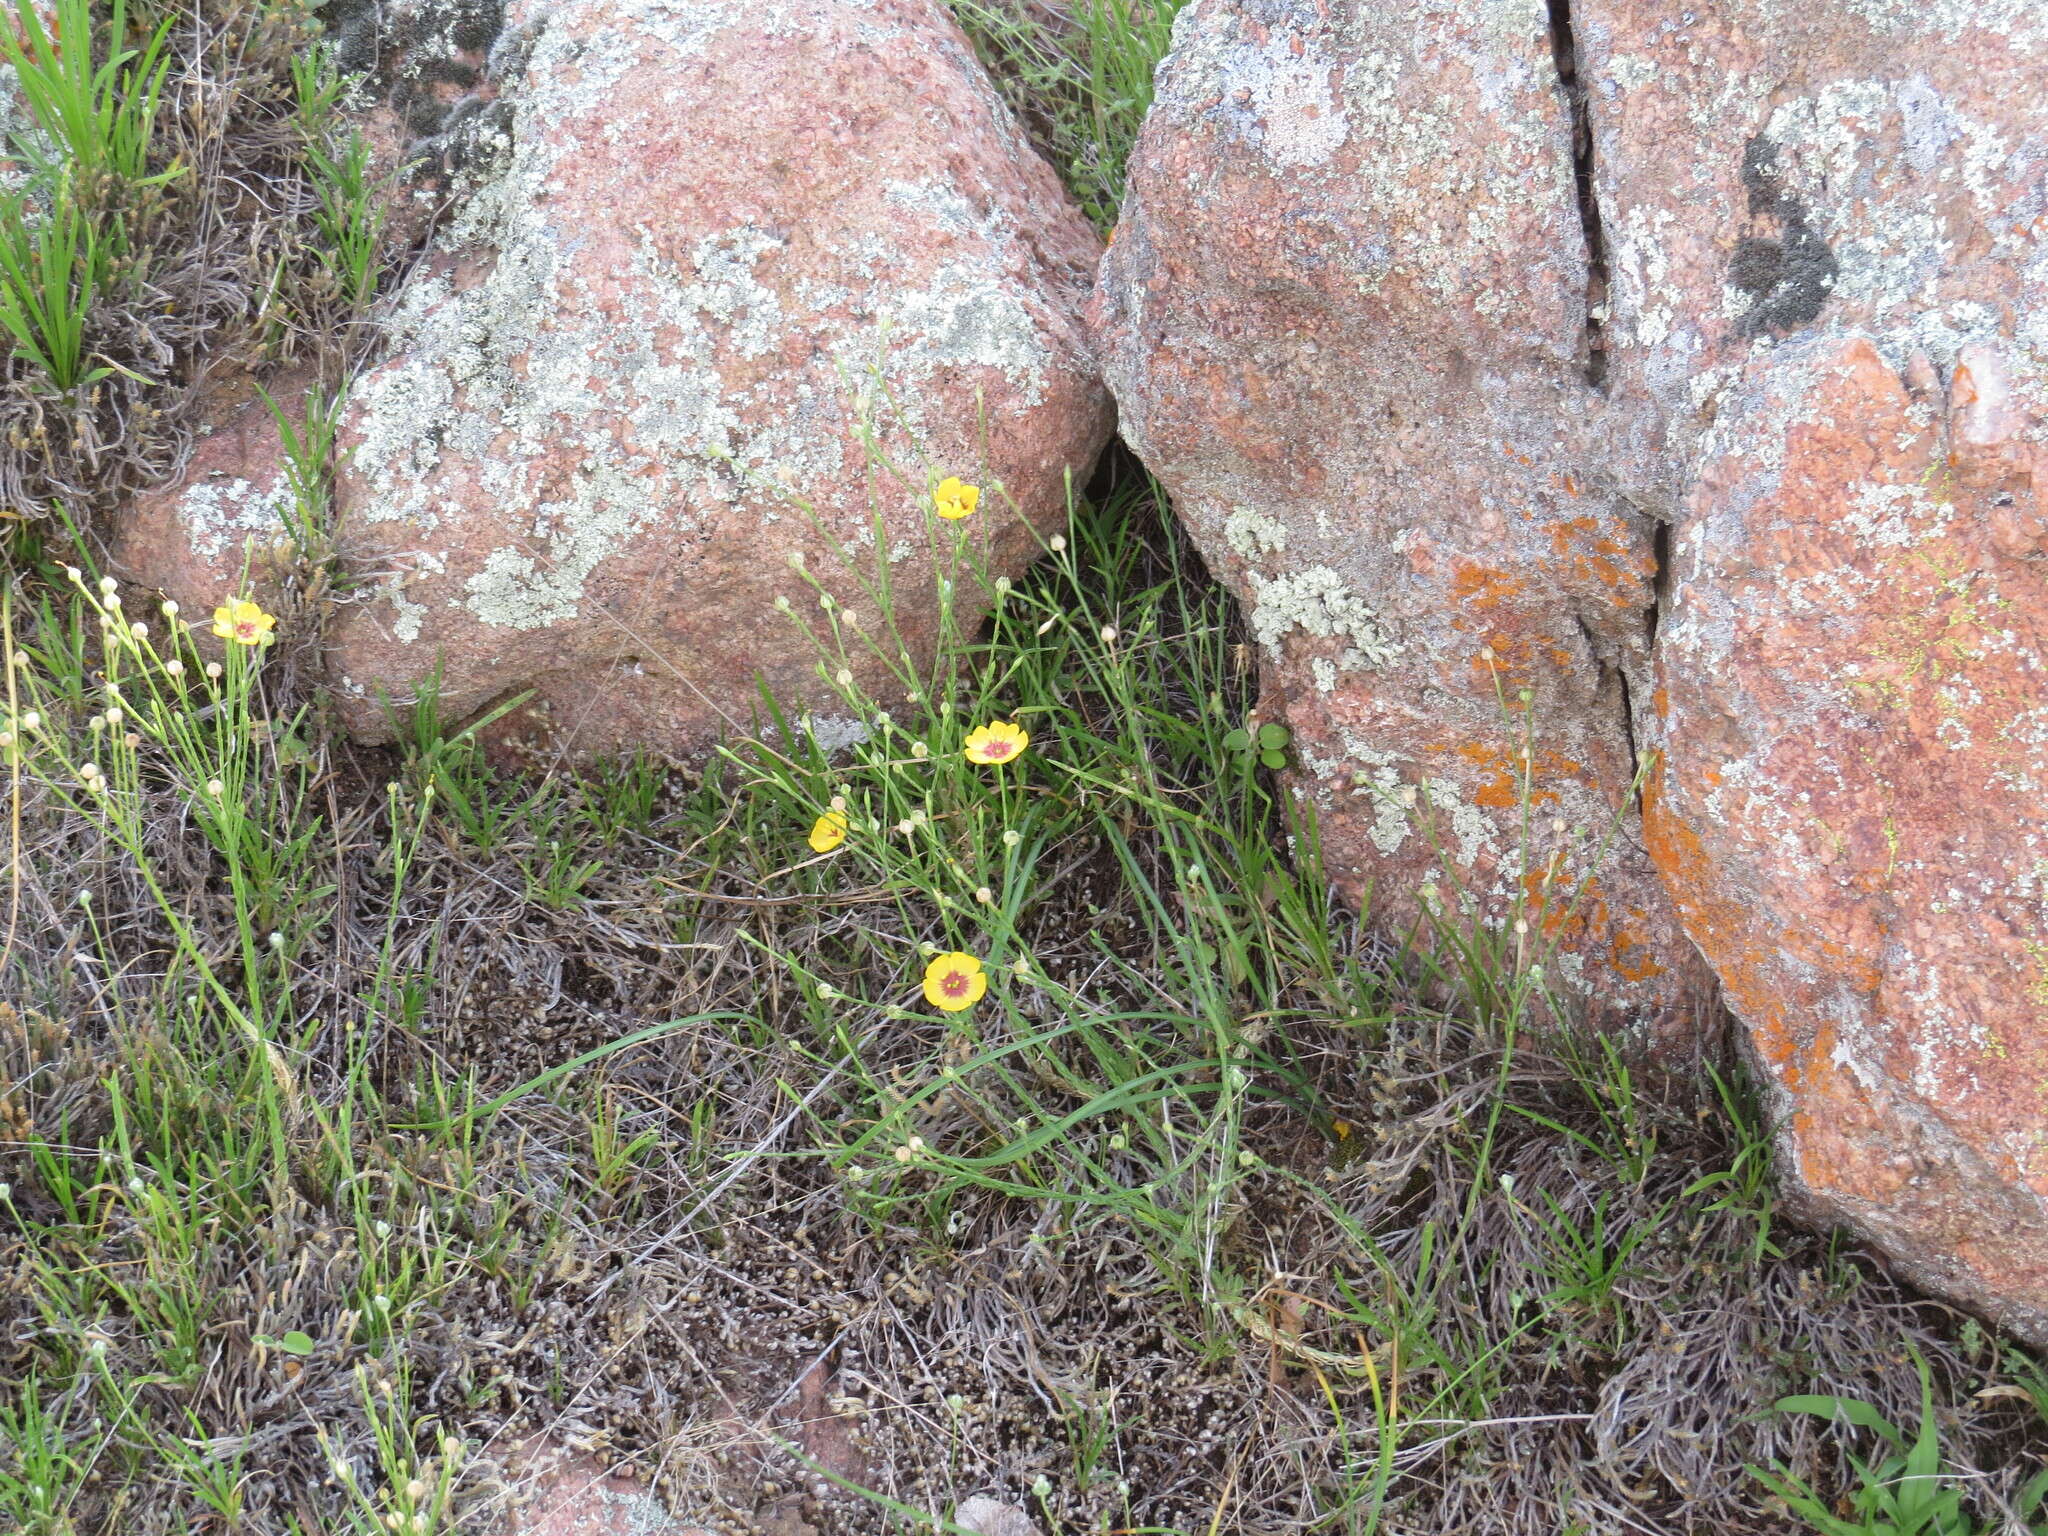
1844	380
224	524
1693	364
1346	321
630	387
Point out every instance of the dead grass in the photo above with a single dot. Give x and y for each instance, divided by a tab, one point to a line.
229	268
651	1255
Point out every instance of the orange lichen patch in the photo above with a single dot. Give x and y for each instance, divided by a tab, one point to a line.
1855	961
1720	926
1632	957
1501	788
1575	916
1475	586
1595	556
1512	664
1560	907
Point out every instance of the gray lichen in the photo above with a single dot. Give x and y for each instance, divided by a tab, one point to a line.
639	374
223	514
1317	602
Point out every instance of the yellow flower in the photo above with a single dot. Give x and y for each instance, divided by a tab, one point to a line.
243	622
996	742
956	499
953	982
828	831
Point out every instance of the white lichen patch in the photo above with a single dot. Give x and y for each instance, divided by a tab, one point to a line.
835	733
1469	825
1254	534
220	515
1631	71
1642	275
727	291
2023	23
1317	602
411	617
1890	217
966	317
1894	516
1378	779
1351	103
1278	94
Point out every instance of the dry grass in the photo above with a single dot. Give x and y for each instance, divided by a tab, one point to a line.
229	264
650	1255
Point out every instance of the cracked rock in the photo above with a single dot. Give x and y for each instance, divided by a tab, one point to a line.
1779	556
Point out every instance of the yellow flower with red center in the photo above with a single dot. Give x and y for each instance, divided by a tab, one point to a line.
828	831
243	622
954	981
956	499
996	742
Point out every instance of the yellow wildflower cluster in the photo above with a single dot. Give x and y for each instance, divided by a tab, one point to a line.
952	981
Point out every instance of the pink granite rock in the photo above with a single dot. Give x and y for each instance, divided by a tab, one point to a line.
1778	391
633	384
225	524
560	1493
1851	805
1827	228
1345	320
1766	170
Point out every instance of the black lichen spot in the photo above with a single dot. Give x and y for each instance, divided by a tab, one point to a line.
1756	265
355	27
1788	278
433	62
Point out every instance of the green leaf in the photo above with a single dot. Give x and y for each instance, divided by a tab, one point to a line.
1237	740
1273	737
1850	1409
293	1343
2032	1493
1273	759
